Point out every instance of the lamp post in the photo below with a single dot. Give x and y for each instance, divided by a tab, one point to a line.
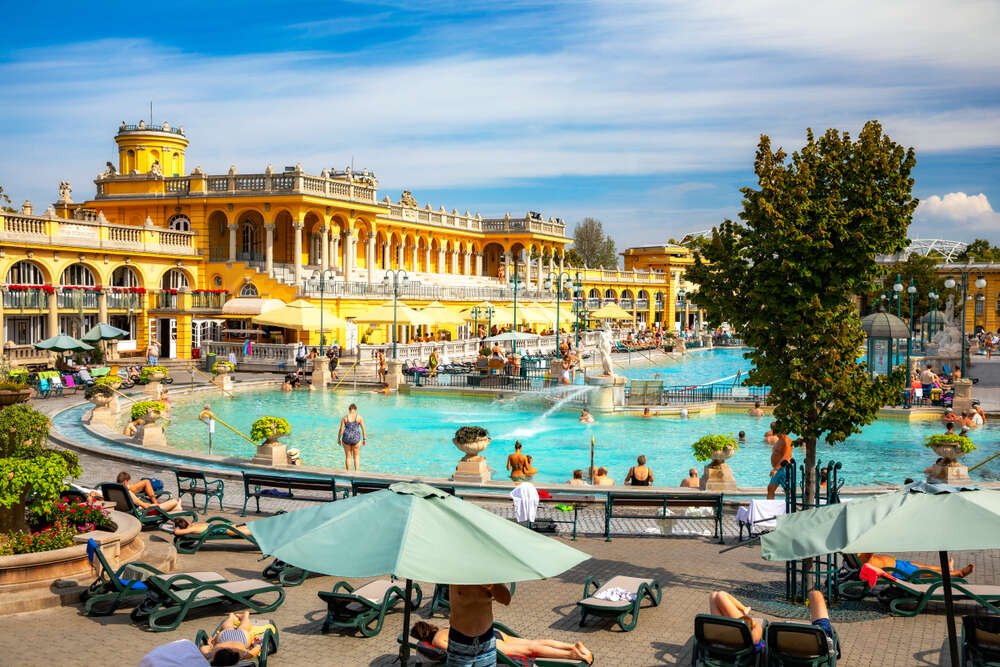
488	312
898	290
932	298
578	304
681	296
515	284
563	278
395	278
949	283
912	291
322	281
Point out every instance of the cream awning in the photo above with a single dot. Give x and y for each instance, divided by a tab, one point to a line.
248	307
612	311
384	314
301	316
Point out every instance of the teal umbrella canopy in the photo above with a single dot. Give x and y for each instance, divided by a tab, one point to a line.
62	343
412	531
102	331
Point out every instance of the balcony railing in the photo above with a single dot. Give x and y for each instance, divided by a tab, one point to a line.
626	304
593	303
642	304
96	234
77	299
166	300
208	300
23	299
124	300
421	292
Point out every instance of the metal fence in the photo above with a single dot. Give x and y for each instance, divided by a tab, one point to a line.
529	376
674	394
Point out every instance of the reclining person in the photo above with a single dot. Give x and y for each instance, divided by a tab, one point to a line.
534	648
144	486
721	603
238	638
184	527
907	567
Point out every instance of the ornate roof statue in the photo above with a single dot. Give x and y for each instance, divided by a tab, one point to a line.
65	192
407	199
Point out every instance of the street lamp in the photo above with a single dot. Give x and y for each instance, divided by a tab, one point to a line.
932	298
321	276
395	278
485	310
949	283
562	279
515	284
681	296
898	289
912	291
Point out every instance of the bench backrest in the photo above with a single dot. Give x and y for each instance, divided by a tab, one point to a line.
651	499
183	474
301	483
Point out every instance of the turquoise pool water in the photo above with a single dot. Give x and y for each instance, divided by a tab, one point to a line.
411	434
695	368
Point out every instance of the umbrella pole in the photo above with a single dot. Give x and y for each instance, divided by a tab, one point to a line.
404	647
949	606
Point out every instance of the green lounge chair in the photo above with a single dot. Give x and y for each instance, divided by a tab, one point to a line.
151	516
194	482
113	587
619	610
800	645
165	607
720	641
432	655
220	529
269	645
440	599
287	575
357	609
919	595
980	641
857	588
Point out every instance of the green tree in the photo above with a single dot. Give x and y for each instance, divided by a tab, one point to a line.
980	250
4	201
921	269
31	475
784	277
593	247
572	258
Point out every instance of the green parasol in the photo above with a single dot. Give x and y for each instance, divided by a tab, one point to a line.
102	331
921	517
414	532
62	343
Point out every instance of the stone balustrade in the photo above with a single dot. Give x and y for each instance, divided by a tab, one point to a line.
409	211
95	234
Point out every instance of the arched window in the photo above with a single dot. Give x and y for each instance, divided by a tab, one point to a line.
594	293
25	273
174	279
643	294
129	161
124	276
249	290
609	294
180	223
176	167
248	242
78	275
627	294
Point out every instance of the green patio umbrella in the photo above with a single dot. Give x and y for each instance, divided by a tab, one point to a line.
963	519
62	343
414	532
102	331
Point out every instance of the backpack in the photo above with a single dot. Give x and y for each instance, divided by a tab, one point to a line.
156	484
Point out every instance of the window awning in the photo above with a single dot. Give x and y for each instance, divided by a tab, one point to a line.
248	307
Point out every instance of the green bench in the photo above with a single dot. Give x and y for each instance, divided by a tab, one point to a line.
662	501
255	485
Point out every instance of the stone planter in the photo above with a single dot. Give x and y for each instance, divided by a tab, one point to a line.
224	381
717	475
951	471
472	468
271	453
105	410
151	434
10	396
153	386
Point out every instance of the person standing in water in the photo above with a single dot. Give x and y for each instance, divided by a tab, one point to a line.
352	436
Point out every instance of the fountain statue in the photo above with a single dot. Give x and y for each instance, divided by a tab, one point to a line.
949	339
604	349
610	388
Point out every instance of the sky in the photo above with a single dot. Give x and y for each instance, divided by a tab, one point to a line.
645	115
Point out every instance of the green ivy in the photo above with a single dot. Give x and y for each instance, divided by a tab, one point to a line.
142	407
148	370
939	439
266	427
713	442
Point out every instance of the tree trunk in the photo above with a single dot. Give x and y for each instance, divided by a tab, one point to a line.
809	501
14	518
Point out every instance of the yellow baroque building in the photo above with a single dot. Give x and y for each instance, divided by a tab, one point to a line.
158	252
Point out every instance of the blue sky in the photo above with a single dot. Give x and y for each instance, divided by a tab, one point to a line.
643	114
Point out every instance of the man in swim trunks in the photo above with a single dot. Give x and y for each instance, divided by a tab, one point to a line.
471	642
184	527
517	463
908	567
756	411
782	451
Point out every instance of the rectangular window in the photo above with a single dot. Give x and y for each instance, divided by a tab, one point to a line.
980	306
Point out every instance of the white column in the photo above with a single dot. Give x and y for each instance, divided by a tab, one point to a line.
467	269
269	248
506	265
385	256
400	252
540	280
561	258
552	267
416	260
527	269
324	252
427	259
350	252
454	261
370	258
335	260
441	262
297	226
232	242
479	263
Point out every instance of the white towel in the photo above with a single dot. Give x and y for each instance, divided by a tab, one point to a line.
525	501
181	653
615	594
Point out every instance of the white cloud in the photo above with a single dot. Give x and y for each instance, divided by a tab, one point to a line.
957	211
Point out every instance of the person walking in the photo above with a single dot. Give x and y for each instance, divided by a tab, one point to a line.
333	360
300	358
352	436
152	352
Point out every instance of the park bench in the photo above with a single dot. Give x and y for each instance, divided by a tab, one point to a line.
361	486
256	484
195	483
578	502
662	501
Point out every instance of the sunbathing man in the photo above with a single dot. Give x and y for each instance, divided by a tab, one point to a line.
721	603
470	641
533	648
908	567
238	638
184	527
174	504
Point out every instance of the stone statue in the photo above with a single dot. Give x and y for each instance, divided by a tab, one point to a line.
949	340
109	170
407	199
604	349
155	168
65	192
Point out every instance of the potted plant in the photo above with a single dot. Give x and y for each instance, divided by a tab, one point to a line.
471	440
715	446
113	381
100	394
12	392
269	429
222	367
148	411
950	446
152	373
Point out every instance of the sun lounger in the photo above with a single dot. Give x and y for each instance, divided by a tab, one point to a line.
220	529
69	384
918	595
357	609
43	388
619	610
864	578
980	641
269	644
431	655
113	587
151	516
800	645
287	575
165	607
722	641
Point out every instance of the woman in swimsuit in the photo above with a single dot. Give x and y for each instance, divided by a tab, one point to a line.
639	475
352	435
509	645
184	527
238	638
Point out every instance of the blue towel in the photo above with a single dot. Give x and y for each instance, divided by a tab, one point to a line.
274	493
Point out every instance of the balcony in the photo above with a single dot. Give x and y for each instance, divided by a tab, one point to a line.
658	305
25	299
593	303
642	304
124	300
208	300
78	299
407	210
94	234
626	304
166	300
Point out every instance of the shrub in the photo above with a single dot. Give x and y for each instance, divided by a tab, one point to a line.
142	407
468	434
939	439
713	442
57	536
108	380
266	427
83	516
13	386
98	390
147	370
220	367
